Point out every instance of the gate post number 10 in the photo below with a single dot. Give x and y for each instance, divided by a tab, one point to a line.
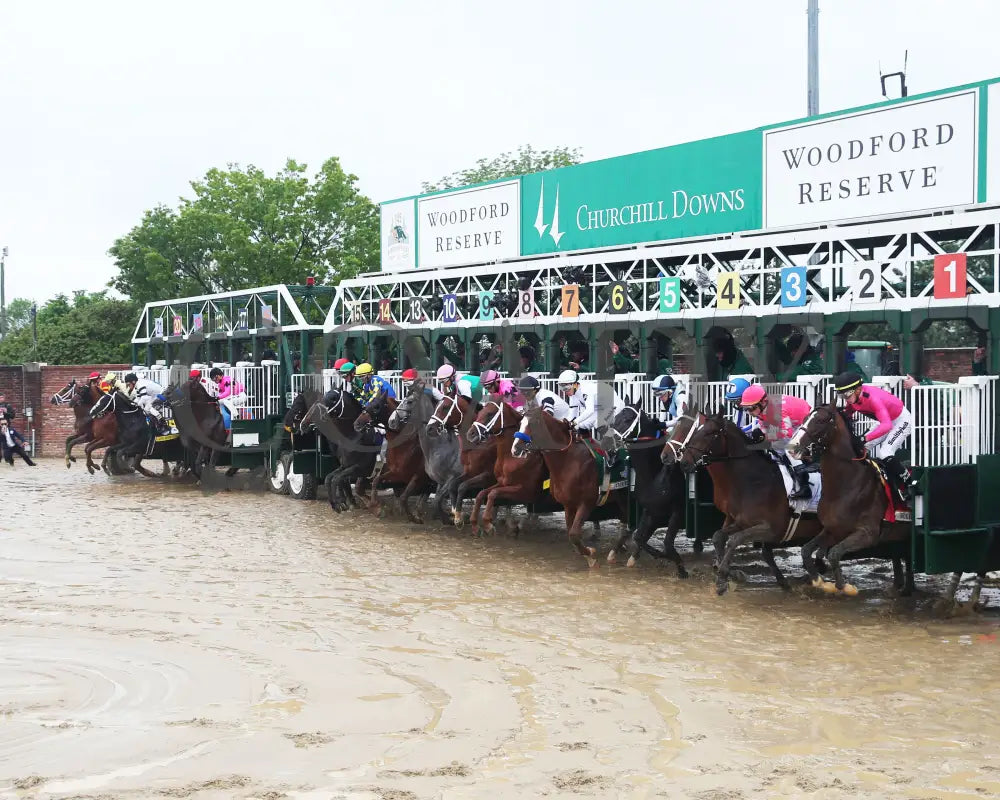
949	276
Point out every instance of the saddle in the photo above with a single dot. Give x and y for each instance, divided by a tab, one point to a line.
611	474
897	509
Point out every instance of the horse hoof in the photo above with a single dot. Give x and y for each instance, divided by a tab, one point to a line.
631	561
612	558
681	572
592	562
721	588
817	583
850	590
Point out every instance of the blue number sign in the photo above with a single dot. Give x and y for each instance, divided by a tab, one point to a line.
450	309
793	287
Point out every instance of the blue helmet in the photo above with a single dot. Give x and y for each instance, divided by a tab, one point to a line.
736	388
664	383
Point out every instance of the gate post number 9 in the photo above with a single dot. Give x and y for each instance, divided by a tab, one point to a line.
486	305
950	276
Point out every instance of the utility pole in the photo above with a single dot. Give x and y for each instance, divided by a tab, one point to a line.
812	15
3	297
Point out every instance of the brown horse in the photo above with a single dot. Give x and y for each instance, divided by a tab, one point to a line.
404	464
83	424
455	415
853	504
518	480
573	475
198	419
750	492
103	431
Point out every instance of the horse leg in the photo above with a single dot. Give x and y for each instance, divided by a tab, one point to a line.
141	469
71	442
107	455
574	530
477	504
89	452
459	492
404	500
809	561
497	493
977	589
735	542
859	539
720	537
768	553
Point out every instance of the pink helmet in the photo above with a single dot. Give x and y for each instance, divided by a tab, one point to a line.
445	371
488	377
752	395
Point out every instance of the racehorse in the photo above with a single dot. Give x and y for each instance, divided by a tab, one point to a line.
518	480
136	434
453	417
572	475
442	458
103	432
659	489
357	451
750	491
83	428
200	424
854	501
404	460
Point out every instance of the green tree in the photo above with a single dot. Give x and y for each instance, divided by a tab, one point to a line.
244	228
508	165
18	314
89	328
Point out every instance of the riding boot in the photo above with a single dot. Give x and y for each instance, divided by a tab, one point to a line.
897	475
803	491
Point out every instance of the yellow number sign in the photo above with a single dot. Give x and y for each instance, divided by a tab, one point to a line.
727	296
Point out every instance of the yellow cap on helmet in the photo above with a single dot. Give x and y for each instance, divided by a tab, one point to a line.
363	369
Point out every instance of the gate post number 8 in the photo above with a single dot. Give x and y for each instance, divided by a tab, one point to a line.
950	276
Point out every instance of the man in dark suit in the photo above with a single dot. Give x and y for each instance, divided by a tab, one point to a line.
12	443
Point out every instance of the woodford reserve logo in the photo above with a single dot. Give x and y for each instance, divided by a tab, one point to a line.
907	157
470	226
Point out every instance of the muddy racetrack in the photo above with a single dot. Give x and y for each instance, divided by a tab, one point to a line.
158	641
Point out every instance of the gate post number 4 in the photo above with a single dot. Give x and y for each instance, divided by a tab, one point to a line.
949	276
727	295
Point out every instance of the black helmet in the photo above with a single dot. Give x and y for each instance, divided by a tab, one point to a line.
847	382
130	378
215	373
530	383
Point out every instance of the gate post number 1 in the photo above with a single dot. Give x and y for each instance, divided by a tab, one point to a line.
950	276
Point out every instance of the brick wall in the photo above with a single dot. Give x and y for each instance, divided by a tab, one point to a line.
52	424
947	363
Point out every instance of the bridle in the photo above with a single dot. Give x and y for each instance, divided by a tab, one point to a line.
485	429
818	444
443	421
65	395
110	406
678	448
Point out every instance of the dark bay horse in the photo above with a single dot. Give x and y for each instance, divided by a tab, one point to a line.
453	417
200	423
853	504
404	464
659	488
572	474
518	480
357	452
136	435
751	493
103	431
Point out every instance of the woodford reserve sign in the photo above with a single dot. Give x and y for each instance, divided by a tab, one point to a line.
928	152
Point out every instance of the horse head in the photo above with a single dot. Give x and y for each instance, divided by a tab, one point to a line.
300	405
632	424
373	412
544	428
317	413
447	414
703	443
414	407
104	405
821	432
64	395
490	420
680	436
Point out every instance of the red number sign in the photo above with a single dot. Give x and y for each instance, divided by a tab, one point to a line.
949	276
385	311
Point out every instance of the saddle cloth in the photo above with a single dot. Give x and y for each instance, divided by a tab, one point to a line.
785	463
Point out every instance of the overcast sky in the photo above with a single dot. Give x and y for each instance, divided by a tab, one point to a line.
108	108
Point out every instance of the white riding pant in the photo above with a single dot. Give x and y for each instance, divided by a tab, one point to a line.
233	403
887	445
145	402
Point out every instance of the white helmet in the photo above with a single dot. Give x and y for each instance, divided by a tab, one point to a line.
445	371
568	376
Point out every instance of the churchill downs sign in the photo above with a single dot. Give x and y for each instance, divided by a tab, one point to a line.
900	157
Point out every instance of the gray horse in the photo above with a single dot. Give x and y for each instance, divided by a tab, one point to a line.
442	454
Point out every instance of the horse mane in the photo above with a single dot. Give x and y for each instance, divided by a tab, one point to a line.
857	443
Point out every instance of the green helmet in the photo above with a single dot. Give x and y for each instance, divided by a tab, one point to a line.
347	368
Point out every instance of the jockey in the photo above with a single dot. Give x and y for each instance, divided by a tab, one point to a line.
346	371
551	403
781	422
672	397
452	384
734	394
591	409
895	424
94	382
492	383
367	384
229	393
408	379
143	393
